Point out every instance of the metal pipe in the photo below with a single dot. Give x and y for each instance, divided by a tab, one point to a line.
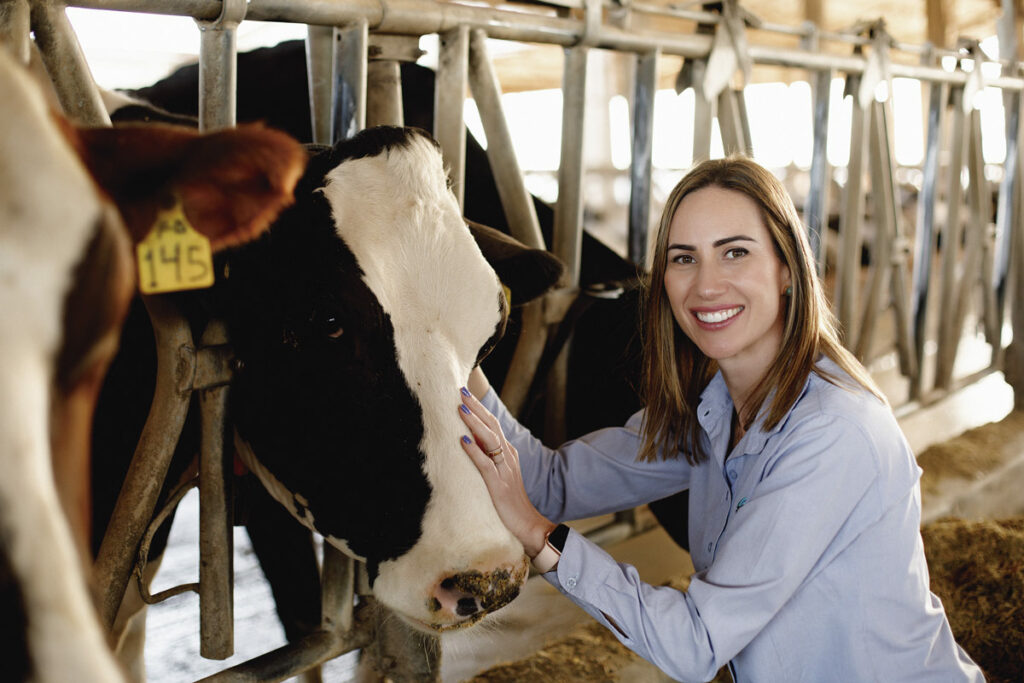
15	24
419	17
645	84
926	237
449	100
218	66
515	200
176	368
301	655
320	77
351	45
568	229
848	261
216	546
64	61
384	93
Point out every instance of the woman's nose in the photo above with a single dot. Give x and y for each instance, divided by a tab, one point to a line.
710	280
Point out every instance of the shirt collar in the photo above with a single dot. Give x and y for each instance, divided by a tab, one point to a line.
714	412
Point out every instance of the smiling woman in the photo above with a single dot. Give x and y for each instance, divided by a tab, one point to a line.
804	494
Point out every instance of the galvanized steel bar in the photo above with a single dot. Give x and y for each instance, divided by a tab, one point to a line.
645	84
218	66
348	114
889	233
882	243
703	115
299	656
977	244
64	61
338	590
320	78
515	200
926	238
216	542
816	205
568	228
951	236
449	100
732	122
384	93
420	17
15	24
176	367
1005	225
850	218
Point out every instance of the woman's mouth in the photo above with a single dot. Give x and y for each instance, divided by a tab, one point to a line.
715	317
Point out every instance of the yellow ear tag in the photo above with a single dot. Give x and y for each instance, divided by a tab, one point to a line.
508	294
174	256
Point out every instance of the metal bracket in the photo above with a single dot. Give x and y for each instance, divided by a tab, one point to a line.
729	50
232	12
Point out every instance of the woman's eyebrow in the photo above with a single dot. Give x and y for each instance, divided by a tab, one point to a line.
716	243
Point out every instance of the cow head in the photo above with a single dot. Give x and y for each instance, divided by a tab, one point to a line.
355	321
66	277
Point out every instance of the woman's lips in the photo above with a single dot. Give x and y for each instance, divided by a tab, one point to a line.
717	317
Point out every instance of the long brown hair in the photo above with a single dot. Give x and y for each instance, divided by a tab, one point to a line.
676	372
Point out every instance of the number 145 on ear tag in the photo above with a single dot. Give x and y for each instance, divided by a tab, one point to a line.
174	256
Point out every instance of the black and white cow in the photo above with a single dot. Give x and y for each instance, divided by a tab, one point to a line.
354	322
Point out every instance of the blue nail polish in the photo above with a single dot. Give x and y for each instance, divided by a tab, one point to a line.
465	391
463	408
466	439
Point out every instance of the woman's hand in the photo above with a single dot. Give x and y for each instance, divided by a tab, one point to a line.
498	462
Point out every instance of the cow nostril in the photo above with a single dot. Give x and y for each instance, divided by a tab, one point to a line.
467	607
448	584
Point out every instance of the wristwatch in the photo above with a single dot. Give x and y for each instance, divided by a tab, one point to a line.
547	559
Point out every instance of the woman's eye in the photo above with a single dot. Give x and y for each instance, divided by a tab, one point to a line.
736	252
683	258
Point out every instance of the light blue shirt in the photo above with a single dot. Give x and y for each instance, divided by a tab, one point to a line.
805	539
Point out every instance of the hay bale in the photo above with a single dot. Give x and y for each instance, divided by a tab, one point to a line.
977	570
969	456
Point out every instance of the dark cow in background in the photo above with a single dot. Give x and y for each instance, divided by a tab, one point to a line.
354	321
65	280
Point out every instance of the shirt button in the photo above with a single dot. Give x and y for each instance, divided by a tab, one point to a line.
732	475
571	582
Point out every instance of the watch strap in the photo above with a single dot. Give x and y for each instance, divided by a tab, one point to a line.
547	559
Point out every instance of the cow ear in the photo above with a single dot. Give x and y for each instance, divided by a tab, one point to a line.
527	272
231	183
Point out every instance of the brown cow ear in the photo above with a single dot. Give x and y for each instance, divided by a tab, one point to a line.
232	183
527	272
235	182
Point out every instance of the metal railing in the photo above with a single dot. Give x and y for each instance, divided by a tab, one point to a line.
349	91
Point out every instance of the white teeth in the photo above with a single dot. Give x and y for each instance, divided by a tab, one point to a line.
718	316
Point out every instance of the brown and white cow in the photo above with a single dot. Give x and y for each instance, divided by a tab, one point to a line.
65	281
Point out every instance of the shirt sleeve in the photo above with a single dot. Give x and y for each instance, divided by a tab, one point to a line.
766	553
593	475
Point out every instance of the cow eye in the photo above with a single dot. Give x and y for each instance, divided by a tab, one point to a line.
333	328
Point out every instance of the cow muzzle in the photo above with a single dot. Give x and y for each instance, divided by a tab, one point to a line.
463	599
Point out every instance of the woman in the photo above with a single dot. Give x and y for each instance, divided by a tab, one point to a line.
804	498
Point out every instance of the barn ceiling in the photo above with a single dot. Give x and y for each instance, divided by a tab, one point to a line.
910	22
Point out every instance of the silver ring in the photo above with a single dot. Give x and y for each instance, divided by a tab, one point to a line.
494	453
